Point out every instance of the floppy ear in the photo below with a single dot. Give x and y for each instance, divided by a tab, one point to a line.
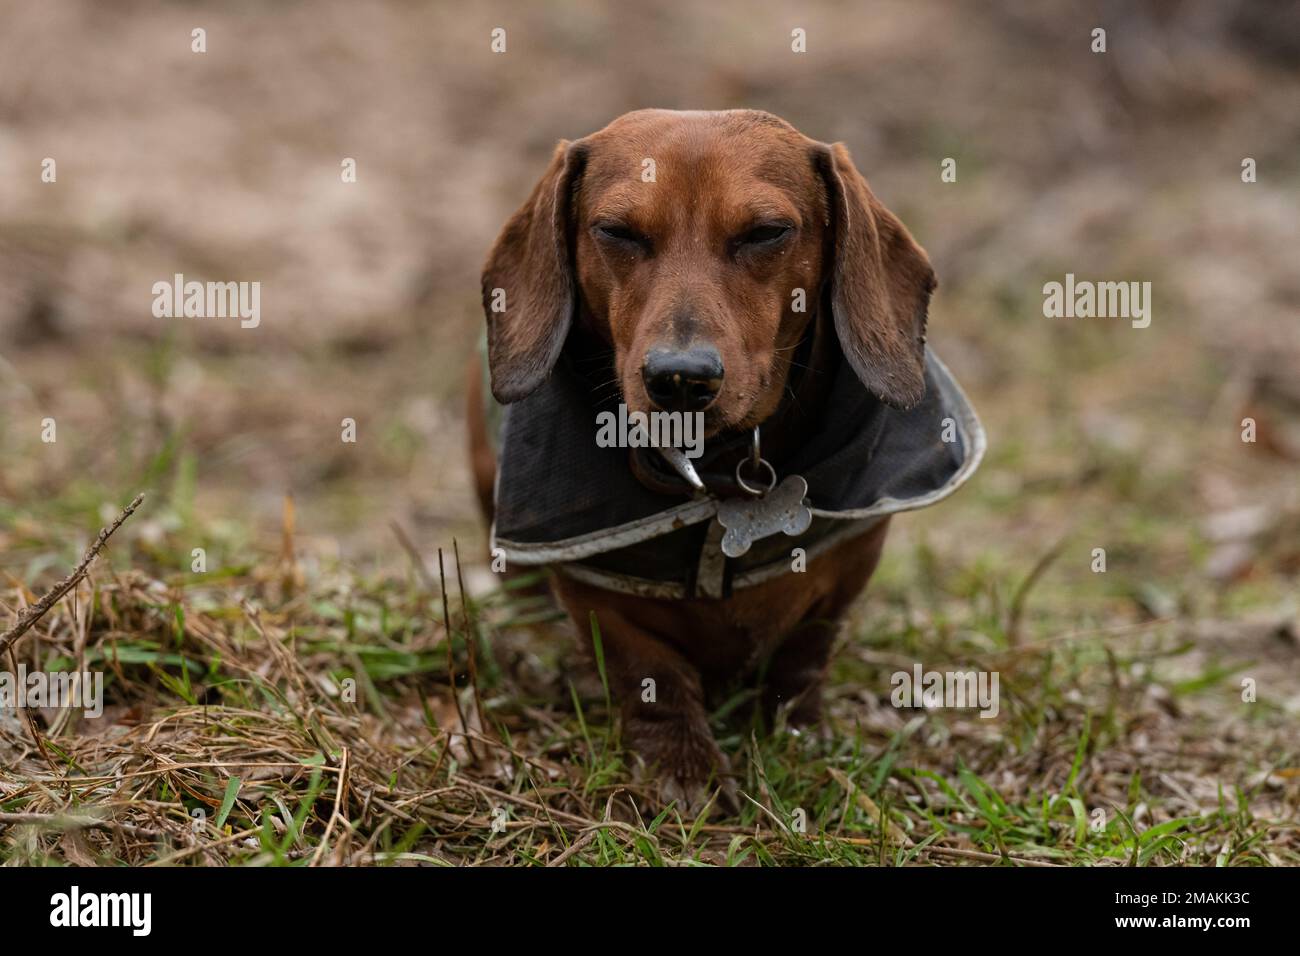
881	282
528	282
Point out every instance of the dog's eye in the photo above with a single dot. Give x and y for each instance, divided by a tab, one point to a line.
767	234
617	232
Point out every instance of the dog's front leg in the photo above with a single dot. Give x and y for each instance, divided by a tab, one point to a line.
796	672
660	697
797	669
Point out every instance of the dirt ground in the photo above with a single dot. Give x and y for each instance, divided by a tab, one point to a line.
1122	166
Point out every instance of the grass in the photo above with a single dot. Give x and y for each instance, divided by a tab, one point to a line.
280	711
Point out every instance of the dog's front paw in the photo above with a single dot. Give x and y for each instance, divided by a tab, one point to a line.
681	761
795	705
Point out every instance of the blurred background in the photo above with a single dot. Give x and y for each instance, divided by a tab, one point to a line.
225	166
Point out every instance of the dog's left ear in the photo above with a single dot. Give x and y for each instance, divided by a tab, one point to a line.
528	286
881	282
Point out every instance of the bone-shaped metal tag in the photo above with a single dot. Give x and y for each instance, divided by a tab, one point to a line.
751	519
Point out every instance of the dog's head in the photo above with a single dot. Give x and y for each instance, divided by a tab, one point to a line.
698	246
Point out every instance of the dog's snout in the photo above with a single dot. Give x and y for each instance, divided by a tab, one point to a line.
687	381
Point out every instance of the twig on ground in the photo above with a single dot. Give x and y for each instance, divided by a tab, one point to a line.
335	815
451	662
52	597
71	822
885	824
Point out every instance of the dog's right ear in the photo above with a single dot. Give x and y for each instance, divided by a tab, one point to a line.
528	285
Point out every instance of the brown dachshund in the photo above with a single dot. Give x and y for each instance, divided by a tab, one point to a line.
724	265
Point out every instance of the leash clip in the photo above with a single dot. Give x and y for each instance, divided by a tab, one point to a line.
682	465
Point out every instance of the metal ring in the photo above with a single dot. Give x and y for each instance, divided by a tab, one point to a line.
750	489
755	456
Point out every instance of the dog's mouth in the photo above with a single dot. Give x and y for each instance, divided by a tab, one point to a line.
713	473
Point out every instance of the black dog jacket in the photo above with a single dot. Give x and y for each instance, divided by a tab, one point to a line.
564	501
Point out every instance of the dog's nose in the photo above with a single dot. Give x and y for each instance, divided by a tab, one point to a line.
686	381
